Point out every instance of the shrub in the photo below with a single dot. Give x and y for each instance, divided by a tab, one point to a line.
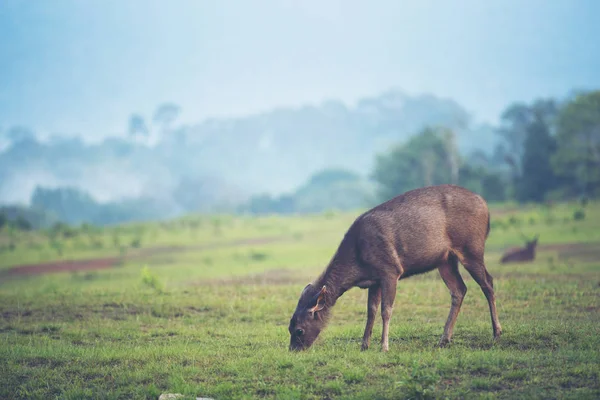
116	241
514	220
579	215
58	246
258	256
329	214
151	280
23	224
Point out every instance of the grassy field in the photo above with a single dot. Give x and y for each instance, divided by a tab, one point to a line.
200	306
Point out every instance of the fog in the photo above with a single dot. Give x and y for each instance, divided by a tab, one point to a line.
265	94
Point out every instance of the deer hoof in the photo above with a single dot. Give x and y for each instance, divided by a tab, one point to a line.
444	342
497	334
364	347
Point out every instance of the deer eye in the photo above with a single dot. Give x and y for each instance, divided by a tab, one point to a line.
299	332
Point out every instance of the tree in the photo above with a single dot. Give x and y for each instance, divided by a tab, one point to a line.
451	151
332	188
165	115
578	140
265	204
537	176
137	126
19	134
513	130
429	158
527	147
22	223
68	204
480	179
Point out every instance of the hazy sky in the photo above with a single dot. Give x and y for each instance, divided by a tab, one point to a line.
82	66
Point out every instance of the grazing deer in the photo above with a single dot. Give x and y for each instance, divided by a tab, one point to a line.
413	233
521	254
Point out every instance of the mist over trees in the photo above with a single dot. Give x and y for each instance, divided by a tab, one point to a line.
577	158
547	151
332	188
307	159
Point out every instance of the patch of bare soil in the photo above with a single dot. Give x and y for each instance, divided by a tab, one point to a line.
575	251
63	266
104	263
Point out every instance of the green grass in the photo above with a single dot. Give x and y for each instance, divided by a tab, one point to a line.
212	322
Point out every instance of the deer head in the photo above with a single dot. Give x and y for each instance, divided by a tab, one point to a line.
531	244
309	318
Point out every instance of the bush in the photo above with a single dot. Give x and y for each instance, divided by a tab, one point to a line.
258	256
57	246
116	241
579	215
22	224
329	214
498	224
514	220
151	280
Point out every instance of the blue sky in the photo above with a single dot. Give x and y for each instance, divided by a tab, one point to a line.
83	66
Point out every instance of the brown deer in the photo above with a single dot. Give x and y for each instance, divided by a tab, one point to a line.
521	254
413	233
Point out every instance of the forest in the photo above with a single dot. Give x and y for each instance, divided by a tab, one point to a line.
303	161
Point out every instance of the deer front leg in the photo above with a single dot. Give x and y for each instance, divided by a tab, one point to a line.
372	306
388	294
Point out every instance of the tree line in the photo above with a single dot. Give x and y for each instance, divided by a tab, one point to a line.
548	151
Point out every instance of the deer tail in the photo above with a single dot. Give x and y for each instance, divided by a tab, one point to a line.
488	226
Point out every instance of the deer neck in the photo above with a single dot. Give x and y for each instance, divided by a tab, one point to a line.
337	279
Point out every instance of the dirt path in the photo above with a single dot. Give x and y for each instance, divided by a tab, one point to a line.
564	249
108	262
62	266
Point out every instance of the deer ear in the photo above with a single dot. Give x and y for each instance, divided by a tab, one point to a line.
305	289
320	302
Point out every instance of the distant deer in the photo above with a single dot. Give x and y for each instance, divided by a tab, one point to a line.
521	254
413	233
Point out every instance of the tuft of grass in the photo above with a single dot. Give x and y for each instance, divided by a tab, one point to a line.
151	280
419	383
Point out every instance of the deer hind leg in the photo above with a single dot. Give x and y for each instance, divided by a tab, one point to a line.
476	268
458	289
372	306
388	294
